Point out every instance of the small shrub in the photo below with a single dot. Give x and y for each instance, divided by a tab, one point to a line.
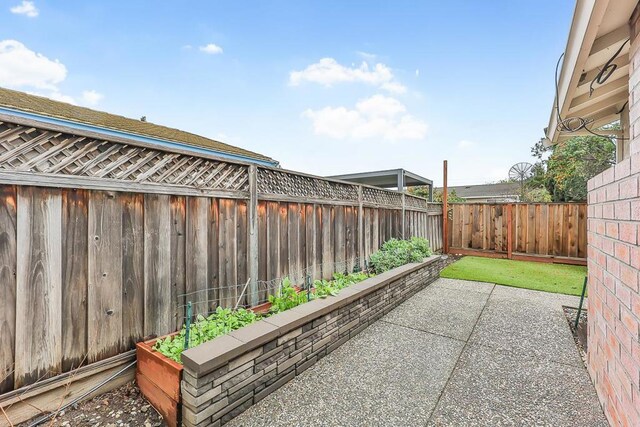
395	253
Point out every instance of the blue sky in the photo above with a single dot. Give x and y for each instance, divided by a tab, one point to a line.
324	87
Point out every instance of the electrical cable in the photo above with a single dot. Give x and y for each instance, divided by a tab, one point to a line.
607	70
574	124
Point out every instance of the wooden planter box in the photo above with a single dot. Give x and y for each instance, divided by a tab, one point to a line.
158	378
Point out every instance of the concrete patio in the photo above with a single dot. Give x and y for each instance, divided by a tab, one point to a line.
456	354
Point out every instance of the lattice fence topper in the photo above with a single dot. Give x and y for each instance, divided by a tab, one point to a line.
434	207
24	148
414	202
381	197
285	183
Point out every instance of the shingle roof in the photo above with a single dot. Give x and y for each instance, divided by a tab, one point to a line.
486	190
47	107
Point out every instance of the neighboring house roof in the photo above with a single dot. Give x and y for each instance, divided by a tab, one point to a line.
72	114
486	190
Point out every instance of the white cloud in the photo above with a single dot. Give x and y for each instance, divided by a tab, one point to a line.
369	57
211	49
20	66
417	73
466	144
91	97
394	87
26	8
376	117
328	72
23	69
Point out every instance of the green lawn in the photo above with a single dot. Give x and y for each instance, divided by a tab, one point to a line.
559	278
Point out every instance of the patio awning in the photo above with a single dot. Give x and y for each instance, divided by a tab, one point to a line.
599	38
392	178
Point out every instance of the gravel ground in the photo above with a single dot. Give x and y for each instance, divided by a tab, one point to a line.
570	313
122	407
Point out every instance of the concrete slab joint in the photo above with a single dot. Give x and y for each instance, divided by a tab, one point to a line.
227	375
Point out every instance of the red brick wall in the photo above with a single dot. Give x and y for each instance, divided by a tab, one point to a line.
614	272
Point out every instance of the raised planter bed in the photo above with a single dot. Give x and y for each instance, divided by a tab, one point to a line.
223	377
158	378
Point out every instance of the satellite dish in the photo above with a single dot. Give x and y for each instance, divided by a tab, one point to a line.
521	172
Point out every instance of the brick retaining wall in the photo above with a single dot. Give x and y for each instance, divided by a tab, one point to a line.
227	375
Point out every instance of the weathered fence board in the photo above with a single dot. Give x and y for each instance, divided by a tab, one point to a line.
105	276
549	231
157	264
227	253
7	285
38	345
178	240
196	252
132	269
74	277
213	257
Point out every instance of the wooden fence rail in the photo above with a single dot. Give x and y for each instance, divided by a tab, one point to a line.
98	238
551	232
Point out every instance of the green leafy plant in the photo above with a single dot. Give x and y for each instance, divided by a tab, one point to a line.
287	297
221	322
325	288
395	253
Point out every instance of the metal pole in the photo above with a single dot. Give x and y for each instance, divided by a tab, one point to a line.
584	288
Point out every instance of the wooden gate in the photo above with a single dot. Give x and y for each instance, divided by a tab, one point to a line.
546	232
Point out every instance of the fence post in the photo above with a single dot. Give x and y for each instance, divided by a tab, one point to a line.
360	228
403	210
445	210
509	230
253	235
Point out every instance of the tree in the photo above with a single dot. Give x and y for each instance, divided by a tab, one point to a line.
537	195
423	191
420	191
570	165
452	197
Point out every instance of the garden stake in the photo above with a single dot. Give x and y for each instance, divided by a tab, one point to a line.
188	325
242	294
584	288
308	280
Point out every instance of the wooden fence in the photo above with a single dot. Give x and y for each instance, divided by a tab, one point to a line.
549	232
98	238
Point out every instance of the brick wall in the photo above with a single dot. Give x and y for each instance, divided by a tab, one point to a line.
224	377
614	272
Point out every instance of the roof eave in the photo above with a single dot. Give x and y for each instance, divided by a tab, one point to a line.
587	17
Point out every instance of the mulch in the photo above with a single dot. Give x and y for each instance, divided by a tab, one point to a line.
122	407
